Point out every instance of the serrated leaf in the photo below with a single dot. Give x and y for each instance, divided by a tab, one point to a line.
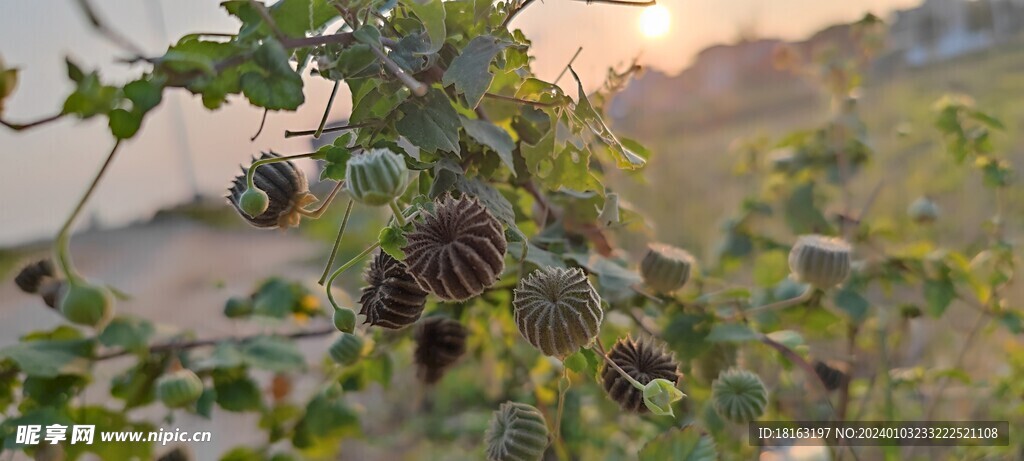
50	358
802	215
392	240
431	14
430	123
731	333
236	391
576	362
588	116
492	136
490	198
272	353
144	95
939	293
337	155
273	92
680	444
470	71
127	332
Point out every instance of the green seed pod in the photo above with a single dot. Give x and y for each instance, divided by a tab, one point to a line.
666	268
281	191
238	307
823	262
179	389
392	298
344	320
347	349
517	432
458	251
739	395
87	305
557	310
376	177
923	211
32	276
643	361
439	344
832	377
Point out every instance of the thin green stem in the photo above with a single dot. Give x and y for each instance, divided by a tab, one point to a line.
563	388
784	303
64	236
327	111
251	172
346	266
337	242
600	348
399	217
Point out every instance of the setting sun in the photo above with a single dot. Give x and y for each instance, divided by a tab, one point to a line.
654	21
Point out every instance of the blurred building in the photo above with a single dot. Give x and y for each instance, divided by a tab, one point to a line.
942	29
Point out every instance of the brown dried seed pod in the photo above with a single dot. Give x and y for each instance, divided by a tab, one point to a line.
557	310
285	186
439	344
643	361
32	275
392	298
833	378
458	251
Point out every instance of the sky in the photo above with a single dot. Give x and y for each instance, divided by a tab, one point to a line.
183	147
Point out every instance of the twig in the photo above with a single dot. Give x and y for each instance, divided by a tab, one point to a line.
567	66
263	121
415	86
337	242
110	34
261	9
519	101
25	126
185	345
512	14
327	111
640	323
292	134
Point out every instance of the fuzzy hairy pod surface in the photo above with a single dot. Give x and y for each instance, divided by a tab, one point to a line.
643	361
458	251
832	377
821	261
739	395
346	350
557	310
517	432
440	342
87	305
666	268
287	192
376	177
32	276
392	298
923	211
179	388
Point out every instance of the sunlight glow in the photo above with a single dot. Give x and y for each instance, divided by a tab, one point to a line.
655	21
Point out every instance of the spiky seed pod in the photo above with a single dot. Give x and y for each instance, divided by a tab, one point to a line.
923	211
179	388
392	298
32	275
823	262
458	251
739	395
557	310
346	349
376	177
517	432
439	344
87	305
287	192
643	361
833	378
665	268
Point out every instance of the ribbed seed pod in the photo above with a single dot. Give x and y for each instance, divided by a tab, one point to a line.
739	395
285	186
439	344
376	177
923	211
88	305
557	310
517	432
179	388
32	276
346	349
833	378
823	262
458	251
643	361
665	268
392	298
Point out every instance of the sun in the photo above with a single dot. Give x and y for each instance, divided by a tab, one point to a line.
655	21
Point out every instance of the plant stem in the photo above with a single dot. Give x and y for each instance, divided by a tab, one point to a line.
415	86
184	345
344	267
784	303
32	124
399	218
64	236
519	101
263	122
292	134
600	348
567	66
563	388
330	102
252	168
337	242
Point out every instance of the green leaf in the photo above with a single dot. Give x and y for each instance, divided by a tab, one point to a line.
144	95
534	89
492	136
731	333
336	155
236	391
50	358
273	353
939	293
851	302
431	14
274	92
430	123
392	240
788	338
109	420
470	71
576	362
91	97
136	385
680	444
802	215
127	332
124	124
589	117
1013	321
489	197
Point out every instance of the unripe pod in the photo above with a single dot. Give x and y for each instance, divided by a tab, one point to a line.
179	389
347	349
666	268
923	211
392	298
641	360
557	310
87	305
284	188
517	432
823	262
376	177
739	395
457	252
439	344
238	307
344	320
32	276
